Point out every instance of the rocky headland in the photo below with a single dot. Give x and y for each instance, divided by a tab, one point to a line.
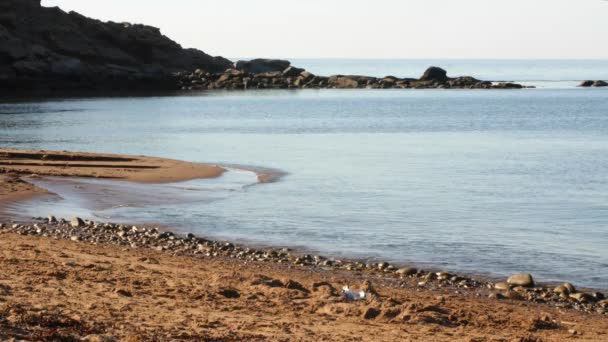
46	49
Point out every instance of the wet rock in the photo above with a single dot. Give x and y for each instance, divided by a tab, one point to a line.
435	74
524	280
586	84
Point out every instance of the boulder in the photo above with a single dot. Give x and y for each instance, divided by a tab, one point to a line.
260	65
292	72
434	74
586	84
524	280
600	84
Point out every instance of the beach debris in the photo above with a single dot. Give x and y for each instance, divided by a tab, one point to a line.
353	295
522	279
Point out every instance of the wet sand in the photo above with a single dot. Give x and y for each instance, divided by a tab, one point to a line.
16	166
121	289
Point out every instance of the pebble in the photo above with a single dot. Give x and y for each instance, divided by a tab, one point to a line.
517	287
502	286
524	280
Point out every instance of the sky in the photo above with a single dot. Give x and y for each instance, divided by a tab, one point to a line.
417	29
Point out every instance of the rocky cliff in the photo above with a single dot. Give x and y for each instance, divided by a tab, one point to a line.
46	49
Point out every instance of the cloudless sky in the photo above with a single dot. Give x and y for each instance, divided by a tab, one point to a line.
564	29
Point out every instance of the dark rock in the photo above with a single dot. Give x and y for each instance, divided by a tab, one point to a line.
507	85
292	72
586	84
434	74
258	66
600	84
47	47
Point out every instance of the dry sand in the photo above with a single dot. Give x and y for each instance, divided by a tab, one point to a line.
77	289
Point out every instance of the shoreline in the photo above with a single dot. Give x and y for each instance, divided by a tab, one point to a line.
149	170
429	303
16	166
432	305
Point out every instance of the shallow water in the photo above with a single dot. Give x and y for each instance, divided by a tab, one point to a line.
476	181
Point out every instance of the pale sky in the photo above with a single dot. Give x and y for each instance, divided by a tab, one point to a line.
555	29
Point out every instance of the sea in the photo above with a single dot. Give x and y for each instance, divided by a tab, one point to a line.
487	182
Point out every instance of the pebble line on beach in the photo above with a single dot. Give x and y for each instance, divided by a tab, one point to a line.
517	287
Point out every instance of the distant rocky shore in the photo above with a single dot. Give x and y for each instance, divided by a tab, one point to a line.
47	49
519	287
280	74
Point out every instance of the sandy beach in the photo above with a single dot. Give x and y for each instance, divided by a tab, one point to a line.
17	165
104	282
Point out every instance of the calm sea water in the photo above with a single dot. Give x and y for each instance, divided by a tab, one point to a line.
467	180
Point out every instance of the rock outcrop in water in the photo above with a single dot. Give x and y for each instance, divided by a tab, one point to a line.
47	48
598	84
278	74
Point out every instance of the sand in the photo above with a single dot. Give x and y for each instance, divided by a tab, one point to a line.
65	289
17	165
145	295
